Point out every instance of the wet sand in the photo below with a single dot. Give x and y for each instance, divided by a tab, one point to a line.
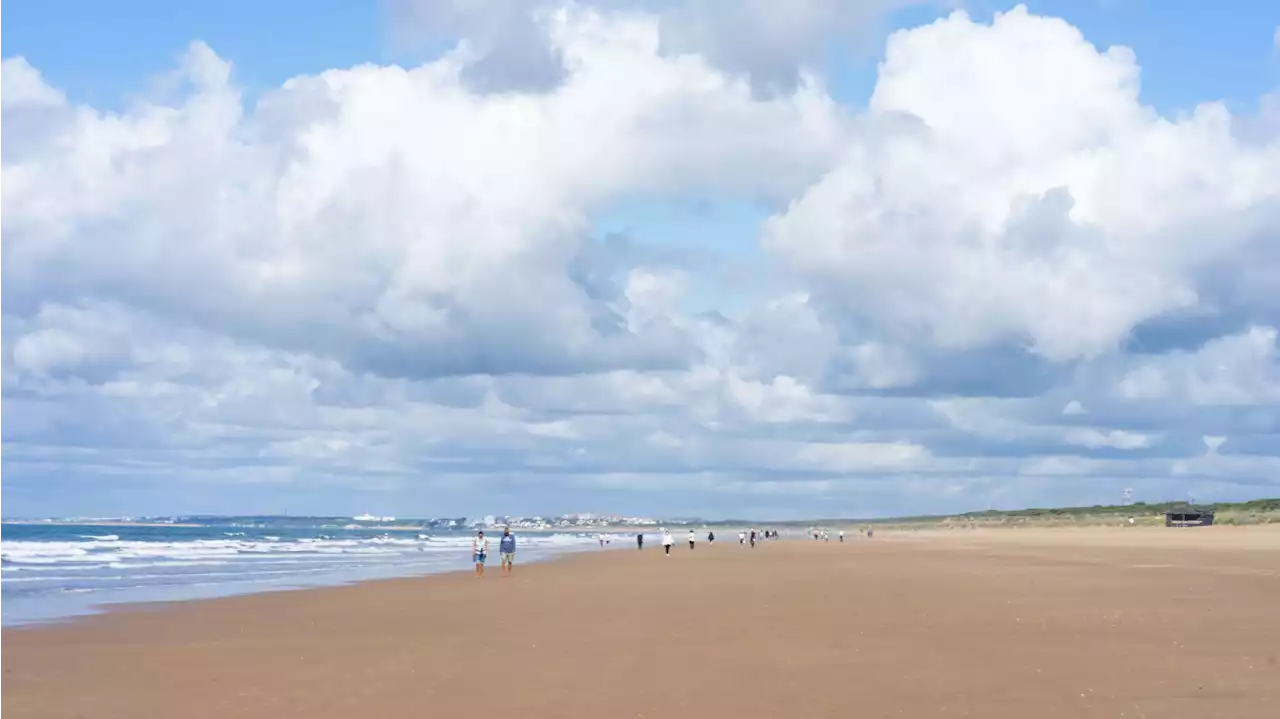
985	623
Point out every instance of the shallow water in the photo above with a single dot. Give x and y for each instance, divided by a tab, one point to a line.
52	572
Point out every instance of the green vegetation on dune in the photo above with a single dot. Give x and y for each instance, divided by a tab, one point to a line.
1258	511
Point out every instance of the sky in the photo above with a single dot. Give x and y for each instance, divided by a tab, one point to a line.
820	258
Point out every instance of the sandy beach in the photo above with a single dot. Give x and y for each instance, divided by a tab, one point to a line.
1016	623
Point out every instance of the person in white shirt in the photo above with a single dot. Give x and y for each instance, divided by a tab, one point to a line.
479	552
842	535
667	541
692	539
742	537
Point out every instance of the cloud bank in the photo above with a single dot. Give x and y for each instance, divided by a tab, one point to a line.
1005	280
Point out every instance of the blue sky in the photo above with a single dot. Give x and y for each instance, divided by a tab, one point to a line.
659	274
1191	51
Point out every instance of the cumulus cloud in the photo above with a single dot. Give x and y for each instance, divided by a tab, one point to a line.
385	281
770	45
1041	222
1240	369
390	215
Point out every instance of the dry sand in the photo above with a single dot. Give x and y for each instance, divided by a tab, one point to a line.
1002	623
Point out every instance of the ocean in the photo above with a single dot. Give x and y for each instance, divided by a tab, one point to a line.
50	572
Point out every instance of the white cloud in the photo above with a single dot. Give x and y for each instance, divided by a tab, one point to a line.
770	44
384	279
1240	369
864	456
1115	439
1003	191
391	210
25	88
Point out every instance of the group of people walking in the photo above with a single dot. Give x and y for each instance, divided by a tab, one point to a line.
506	549
744	538
507	544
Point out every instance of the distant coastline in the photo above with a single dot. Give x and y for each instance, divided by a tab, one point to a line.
1258	511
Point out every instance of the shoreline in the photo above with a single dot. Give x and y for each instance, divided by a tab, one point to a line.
141	598
107	611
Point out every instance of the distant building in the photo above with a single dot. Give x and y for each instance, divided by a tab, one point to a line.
1188	516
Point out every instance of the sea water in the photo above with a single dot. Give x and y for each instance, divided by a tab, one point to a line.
50	572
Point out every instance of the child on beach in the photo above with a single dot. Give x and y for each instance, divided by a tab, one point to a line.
479	552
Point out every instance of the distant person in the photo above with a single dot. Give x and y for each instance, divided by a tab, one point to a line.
842	536
507	551
711	537
640	540
692	538
667	541
479	552
870	532
753	539
742	537
600	538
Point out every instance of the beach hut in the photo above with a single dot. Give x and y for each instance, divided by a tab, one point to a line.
1188	517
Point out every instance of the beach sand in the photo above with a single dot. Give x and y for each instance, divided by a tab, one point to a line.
982	623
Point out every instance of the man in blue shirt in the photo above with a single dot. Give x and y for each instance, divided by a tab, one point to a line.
507	547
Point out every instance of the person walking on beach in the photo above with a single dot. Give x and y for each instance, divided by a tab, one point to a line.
753	539
692	538
639	540
507	550
742	537
479	552
842	536
667	541
711	537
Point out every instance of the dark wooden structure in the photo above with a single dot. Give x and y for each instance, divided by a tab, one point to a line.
1188	517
